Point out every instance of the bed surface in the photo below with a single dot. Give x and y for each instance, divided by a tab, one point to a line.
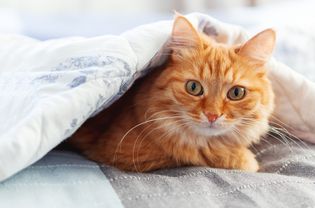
64	179
286	178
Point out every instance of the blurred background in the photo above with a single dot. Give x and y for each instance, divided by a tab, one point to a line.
45	19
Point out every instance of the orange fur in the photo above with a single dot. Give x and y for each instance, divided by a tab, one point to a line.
157	124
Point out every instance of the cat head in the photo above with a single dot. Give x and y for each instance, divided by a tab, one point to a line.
215	90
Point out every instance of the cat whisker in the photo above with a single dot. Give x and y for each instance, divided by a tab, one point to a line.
285	131
166	134
282	128
163	135
134	146
262	138
136	126
283	136
236	130
284	141
279	121
143	138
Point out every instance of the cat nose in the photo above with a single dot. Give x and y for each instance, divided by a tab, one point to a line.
212	117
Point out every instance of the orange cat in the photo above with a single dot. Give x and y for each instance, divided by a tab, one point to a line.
204	107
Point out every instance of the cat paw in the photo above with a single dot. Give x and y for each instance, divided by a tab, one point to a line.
249	162
251	165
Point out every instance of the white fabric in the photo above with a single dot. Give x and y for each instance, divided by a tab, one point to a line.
48	89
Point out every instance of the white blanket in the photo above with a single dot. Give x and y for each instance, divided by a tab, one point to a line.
48	89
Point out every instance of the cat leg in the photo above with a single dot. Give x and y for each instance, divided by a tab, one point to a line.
144	159
230	158
150	165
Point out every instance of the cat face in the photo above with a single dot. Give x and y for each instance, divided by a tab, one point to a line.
216	90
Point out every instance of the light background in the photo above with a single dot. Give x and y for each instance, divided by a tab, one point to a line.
55	6
46	19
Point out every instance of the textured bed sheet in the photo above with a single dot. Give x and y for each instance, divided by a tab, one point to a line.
64	179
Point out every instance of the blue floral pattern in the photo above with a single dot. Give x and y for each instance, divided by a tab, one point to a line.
77	81
49	78
75	71
85	62
85	68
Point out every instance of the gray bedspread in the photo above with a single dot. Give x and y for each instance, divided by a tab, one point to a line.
64	179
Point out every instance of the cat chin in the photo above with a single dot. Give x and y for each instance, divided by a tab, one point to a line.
202	135
211	131
208	131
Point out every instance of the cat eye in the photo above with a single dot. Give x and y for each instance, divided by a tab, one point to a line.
236	93
194	88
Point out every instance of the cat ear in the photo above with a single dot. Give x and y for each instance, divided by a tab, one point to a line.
259	48
184	34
